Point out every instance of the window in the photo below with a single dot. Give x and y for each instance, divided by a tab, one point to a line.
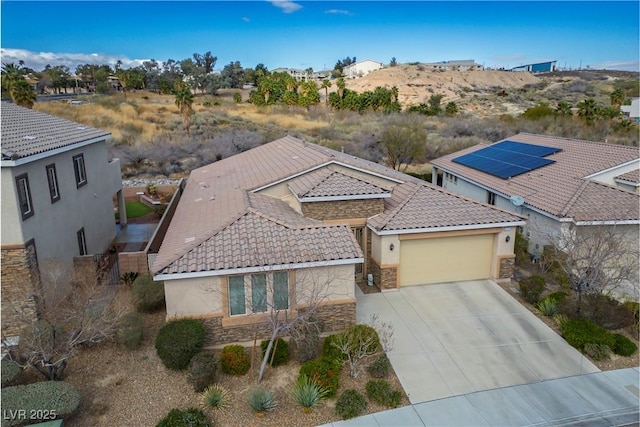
79	169
491	198
82	242
52	179
264	291
24	196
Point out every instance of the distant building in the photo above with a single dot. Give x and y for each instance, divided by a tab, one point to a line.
540	67
302	75
456	65
632	112
361	68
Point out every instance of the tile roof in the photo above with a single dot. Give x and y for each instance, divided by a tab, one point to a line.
631	176
329	182
27	132
554	187
222	221
418	206
596	201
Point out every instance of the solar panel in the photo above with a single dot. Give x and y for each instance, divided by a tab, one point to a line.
508	158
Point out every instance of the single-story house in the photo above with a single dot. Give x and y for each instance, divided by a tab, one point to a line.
290	223
361	68
632	111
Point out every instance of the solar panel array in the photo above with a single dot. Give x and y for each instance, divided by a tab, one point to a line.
508	158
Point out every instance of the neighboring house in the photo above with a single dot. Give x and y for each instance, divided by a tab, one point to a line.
539	67
289	218
361	68
632	112
456	65
303	75
58	186
564	183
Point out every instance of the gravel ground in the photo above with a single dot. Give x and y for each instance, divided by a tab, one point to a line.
133	388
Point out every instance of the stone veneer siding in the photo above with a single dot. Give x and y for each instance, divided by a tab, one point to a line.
385	278
333	317
20	282
506	267
343	209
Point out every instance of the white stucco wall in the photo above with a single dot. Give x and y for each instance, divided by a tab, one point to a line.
192	297
380	249
607	177
330	283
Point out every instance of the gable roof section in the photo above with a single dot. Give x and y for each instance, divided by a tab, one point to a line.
27	133
598	202
553	187
418	207
329	182
631	177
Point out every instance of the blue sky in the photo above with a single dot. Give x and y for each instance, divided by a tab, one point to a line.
316	34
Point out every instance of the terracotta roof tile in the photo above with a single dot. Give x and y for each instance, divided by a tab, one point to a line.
553	187
329	182
632	176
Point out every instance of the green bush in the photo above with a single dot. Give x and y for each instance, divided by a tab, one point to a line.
130	331
381	392
634	308
43	400
148	294
557	296
324	372
261	400
624	346
547	307
357	336
237	97
191	417
178	341
531	288
329	350
215	397
281	354
579	332
350	404
10	371
234	360
379	368
308	393
597	351
202	370
606	311
521	246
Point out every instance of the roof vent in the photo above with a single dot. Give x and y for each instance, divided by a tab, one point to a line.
199	199
295	157
81	127
189	239
30	137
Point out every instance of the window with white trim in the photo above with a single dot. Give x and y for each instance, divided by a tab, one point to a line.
79	170
52	180
24	196
258	293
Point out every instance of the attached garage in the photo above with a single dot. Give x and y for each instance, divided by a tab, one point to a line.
445	259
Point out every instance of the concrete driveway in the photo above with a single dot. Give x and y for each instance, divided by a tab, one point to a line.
463	337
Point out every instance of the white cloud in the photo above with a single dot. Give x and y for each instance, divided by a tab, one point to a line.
286	6
617	65
338	12
38	60
246	19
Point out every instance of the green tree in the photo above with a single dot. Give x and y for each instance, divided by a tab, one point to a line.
404	139
589	110
538	112
435	109
232	75
564	109
451	109
11	74
206	61
393	62
184	102
326	84
309	94
23	94
340	83
617	97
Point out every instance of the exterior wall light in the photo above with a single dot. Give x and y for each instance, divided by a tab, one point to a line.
508	238
391	246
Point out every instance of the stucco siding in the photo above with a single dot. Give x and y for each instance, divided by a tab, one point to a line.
466	189
607	177
193	297
331	283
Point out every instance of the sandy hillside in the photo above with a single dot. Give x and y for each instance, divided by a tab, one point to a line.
416	85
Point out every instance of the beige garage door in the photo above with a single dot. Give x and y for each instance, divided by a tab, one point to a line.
446	259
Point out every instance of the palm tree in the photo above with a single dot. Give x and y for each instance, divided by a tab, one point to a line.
184	102
564	109
23	94
341	86
617	97
589	110
394	92
11	73
326	84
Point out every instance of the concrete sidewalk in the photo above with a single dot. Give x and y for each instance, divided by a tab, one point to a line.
607	398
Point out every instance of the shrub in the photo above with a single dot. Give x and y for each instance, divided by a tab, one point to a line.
597	351
379	368
42	400
557	296
624	346
307	393
234	360
531	288
350	404
178	341
381	392
547	307
191	417
579	332
634	309
10	371
215	397
130	331
324	372
261	400
202	371
279	352
329	349
307	341
128	278
148	294
521	246
606	311
237	97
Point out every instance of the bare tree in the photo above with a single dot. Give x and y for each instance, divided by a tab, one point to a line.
76	311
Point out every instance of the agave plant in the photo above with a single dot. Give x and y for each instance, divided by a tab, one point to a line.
261	400
215	397
308	393
548	307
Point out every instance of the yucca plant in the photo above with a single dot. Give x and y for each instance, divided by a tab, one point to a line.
215	397
307	393
261	400
548	307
